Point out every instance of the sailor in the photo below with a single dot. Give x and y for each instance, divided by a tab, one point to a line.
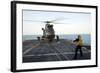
78	42
44	34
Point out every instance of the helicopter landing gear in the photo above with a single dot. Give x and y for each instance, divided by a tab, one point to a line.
38	38
50	37
57	38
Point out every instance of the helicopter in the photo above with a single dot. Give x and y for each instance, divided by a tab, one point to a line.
48	31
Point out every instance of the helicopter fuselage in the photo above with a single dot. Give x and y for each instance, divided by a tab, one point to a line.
49	32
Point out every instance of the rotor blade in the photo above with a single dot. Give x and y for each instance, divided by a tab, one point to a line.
38	21
60	23
58	19
33	21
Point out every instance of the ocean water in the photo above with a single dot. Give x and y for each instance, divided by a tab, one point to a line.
86	37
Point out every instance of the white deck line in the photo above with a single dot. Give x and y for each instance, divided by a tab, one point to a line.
58	57
61	53
31	48
50	54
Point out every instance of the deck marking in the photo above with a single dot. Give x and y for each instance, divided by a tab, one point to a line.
61	53
61	50
31	48
58	57
50	54
56	54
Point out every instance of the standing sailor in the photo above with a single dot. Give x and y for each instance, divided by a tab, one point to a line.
79	43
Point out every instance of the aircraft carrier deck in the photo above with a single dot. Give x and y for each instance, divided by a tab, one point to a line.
63	50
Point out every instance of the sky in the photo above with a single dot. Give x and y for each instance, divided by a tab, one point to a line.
65	22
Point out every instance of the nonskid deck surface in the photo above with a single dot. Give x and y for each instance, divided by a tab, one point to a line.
40	51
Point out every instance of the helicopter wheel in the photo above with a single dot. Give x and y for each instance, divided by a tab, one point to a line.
50	37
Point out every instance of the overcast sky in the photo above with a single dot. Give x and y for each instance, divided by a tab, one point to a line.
69	22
